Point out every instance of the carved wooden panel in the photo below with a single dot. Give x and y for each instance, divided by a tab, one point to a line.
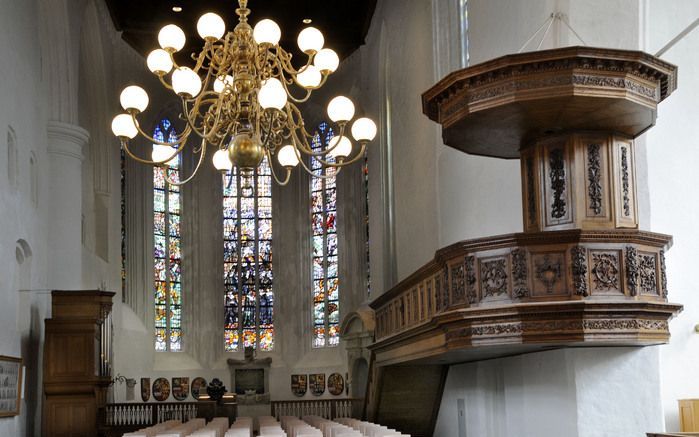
606	272
593	164
530	189
648	273
625	184
557	189
494	278
549	273
520	274
71	416
457	282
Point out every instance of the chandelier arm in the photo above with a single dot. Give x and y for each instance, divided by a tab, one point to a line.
274	173
179	138
125	145
351	161
191	123
313	155
165	84
202	56
291	96
202	153
310	172
264	52
304	146
175	65
285	61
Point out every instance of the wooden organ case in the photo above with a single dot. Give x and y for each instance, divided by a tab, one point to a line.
77	362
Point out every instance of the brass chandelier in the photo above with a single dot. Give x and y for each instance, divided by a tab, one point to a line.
240	98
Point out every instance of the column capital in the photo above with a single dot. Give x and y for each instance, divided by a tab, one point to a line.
66	139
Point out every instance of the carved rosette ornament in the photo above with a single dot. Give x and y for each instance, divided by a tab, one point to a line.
578	255
605	271
519	274
494	277
632	270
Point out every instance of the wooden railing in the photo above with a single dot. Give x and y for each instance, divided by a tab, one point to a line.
115	419
327	408
539	287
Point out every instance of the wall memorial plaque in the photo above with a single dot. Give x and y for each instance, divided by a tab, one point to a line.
180	388
161	389
316	383
198	387
299	385
336	384
10	386
145	389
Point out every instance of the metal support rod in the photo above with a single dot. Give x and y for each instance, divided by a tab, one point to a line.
679	37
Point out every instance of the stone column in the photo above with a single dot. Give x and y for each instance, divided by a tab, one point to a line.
65	151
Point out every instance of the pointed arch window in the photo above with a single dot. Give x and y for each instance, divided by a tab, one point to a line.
326	282
167	251
247	260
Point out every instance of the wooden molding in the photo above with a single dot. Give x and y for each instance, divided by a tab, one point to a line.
498	107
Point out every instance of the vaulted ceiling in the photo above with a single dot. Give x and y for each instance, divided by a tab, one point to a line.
344	23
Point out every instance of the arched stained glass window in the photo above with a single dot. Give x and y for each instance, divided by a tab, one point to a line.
247	260
326	283
167	253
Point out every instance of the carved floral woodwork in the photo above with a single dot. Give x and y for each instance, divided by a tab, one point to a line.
581	273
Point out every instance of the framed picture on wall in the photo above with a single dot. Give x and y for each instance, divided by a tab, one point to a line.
198	387
316	383
145	389
10	386
299	385
336	384
180	388
161	389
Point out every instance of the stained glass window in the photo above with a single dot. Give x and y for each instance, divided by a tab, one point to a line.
326	283
247	260
167	252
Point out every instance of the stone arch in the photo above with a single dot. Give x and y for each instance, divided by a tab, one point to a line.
360	377
357	333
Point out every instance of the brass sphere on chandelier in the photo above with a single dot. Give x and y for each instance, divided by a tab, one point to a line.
246	152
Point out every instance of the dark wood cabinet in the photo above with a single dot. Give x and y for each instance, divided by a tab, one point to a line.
77	362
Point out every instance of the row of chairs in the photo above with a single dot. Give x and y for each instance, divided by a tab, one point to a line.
296	427
368	429
242	427
330	428
192	428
